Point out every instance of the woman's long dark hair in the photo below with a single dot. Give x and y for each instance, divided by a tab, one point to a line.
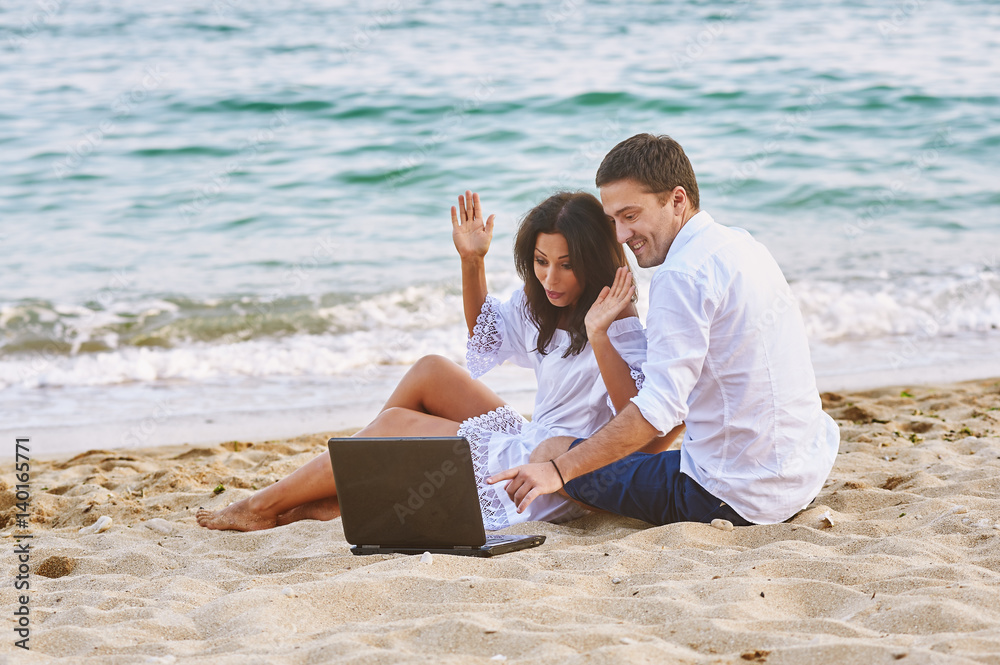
594	256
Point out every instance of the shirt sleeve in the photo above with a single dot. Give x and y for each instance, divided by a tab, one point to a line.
630	342
500	334
677	329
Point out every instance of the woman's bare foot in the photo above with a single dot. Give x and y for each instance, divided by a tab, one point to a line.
236	517
321	509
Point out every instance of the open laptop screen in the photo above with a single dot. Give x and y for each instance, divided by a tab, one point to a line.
407	492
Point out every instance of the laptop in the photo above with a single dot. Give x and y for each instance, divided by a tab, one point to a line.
414	495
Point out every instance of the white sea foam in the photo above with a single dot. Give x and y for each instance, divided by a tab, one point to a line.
398	327
926	307
322	355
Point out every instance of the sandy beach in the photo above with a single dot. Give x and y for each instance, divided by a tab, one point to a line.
898	559
226	235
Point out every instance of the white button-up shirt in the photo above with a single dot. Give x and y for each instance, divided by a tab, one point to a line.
728	355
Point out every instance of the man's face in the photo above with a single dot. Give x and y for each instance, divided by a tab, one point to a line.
646	222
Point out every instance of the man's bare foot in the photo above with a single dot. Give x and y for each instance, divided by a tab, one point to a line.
236	517
321	509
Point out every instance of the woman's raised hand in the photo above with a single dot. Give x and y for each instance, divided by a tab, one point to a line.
610	303
472	236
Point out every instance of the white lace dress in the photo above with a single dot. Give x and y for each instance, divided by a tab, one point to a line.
571	401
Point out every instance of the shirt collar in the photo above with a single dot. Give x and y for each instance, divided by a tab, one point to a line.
699	221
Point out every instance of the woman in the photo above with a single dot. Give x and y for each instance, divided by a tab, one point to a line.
574	323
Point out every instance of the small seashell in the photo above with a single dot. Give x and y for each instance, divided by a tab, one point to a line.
723	525
289	591
499	657
616	580
827	517
959	510
426	557
159	525
627	640
102	524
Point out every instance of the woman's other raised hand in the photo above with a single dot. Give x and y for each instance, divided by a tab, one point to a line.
471	235
611	301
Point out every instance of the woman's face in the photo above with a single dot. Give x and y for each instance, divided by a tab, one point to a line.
553	270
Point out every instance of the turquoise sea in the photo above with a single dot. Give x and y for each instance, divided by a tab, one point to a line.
229	218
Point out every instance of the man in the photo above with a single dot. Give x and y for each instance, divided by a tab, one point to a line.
727	356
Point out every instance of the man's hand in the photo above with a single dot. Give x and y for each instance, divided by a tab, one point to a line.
528	482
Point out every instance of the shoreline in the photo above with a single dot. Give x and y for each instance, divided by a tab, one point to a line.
899	556
521	401
331	404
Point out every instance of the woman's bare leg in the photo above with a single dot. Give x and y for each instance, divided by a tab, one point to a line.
392	421
311	488
432	399
311	482
433	385
437	386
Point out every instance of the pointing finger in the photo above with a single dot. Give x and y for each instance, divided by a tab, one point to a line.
503	475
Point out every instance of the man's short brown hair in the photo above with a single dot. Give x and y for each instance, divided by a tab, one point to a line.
655	162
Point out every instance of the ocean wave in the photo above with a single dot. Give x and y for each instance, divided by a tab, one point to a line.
70	329
358	354
167	339
920	307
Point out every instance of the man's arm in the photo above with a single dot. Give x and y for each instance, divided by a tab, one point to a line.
624	434
678	327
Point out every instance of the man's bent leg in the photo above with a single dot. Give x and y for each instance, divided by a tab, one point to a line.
650	488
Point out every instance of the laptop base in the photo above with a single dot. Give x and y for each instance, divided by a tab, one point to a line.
495	545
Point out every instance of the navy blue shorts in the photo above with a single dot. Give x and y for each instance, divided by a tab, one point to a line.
651	488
